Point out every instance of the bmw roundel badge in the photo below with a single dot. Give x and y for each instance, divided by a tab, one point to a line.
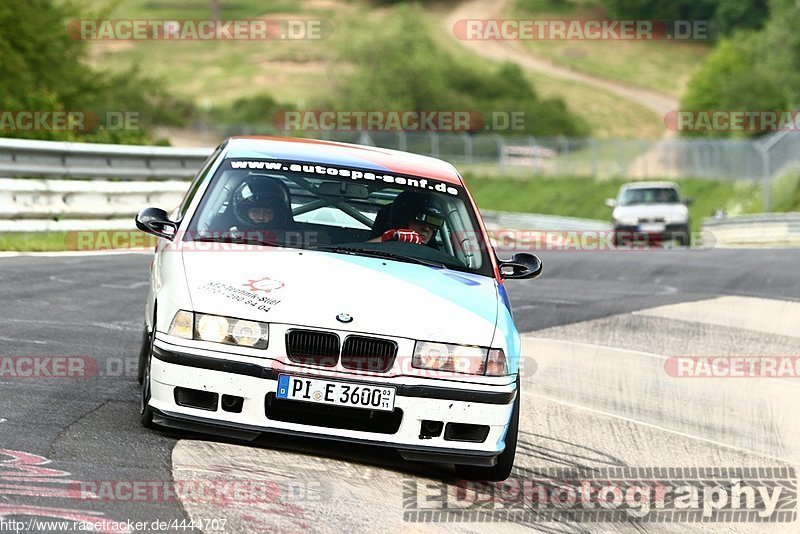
344	318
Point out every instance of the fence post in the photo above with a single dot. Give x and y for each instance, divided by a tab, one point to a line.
644	156
402	143
593	144
766	179
565	152
535	162
365	139
467	148
501	150
434	144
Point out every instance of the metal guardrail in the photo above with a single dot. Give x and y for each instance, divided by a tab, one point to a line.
503	220
145	176
766	229
33	198
22	157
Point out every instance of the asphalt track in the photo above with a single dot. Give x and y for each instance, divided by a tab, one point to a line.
599	326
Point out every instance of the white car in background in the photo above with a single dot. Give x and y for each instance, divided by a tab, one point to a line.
652	212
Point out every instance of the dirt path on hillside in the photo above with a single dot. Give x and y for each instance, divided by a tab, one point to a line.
514	51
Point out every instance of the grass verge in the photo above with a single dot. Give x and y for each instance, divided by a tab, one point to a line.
87	240
658	65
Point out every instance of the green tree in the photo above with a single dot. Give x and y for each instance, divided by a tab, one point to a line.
403	68
42	68
752	70
725	16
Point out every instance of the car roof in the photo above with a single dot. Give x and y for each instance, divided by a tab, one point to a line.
343	154
648	185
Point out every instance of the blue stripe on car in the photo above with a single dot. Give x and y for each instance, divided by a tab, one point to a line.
459	288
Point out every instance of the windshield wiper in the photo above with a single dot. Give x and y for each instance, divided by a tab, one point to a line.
237	239
380	254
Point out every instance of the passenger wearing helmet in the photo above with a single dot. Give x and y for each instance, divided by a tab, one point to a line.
414	218
259	205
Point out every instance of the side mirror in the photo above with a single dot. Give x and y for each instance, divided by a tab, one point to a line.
688	201
611	203
155	221
521	265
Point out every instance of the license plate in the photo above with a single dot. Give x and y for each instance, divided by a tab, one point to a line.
336	393
652	227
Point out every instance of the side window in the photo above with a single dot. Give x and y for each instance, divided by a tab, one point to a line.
196	183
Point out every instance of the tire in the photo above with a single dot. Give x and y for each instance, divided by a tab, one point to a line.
616	239
684	239
143	353
505	462
145	412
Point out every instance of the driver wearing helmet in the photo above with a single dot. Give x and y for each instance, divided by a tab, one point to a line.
414	218
260	205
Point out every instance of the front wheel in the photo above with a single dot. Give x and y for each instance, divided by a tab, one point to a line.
144	352
145	359
502	469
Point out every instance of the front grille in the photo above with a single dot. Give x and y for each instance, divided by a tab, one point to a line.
307	413
368	354
652	220
312	348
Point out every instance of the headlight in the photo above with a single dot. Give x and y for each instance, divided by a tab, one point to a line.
677	219
626	221
211	328
219	329
444	357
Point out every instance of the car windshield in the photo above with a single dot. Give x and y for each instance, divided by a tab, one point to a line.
649	195
340	210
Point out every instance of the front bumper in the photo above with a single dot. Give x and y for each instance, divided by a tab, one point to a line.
635	233
256	383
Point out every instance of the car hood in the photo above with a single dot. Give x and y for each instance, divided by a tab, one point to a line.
309	288
669	211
